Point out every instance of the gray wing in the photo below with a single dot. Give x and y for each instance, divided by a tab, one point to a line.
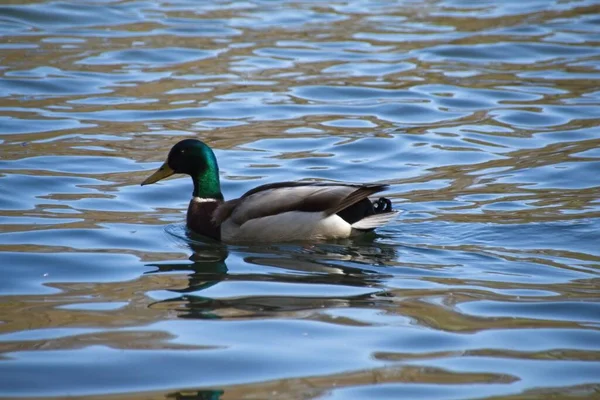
278	198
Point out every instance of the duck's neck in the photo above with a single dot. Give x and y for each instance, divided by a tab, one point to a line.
205	199
207	184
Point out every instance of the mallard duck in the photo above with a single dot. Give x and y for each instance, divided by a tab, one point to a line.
276	212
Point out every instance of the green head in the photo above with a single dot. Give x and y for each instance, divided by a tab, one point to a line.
196	159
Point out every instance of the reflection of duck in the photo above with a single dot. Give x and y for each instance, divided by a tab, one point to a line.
197	395
207	263
284	211
345	266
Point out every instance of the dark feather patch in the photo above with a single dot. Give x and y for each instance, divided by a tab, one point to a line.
357	211
359	194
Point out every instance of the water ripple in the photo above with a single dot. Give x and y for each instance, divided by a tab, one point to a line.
481	116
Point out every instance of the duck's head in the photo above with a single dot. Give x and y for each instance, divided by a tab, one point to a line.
194	158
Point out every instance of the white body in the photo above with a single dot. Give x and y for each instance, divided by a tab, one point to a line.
298	226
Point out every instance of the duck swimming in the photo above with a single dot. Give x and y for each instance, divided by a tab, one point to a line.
276	212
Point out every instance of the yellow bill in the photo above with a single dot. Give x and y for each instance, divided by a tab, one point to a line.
163	172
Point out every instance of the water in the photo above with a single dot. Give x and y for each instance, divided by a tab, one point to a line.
482	116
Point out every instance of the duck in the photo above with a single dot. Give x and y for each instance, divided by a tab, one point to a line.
274	212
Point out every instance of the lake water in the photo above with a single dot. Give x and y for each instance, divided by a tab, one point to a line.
484	118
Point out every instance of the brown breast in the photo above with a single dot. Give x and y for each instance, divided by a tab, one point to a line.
199	218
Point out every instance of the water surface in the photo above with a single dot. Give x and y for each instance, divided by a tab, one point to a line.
483	117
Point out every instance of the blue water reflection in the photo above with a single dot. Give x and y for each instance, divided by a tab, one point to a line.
481	116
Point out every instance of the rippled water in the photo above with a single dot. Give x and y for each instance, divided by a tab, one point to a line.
482	116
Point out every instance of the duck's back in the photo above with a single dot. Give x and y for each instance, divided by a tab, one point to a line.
293	211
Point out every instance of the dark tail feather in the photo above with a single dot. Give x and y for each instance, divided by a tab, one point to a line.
359	194
382	205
